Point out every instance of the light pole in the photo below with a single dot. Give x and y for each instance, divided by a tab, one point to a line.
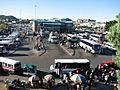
20	13
20	21
35	11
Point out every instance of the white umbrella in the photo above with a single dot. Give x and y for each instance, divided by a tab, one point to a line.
48	77
76	77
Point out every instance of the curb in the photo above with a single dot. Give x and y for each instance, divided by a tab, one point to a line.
71	53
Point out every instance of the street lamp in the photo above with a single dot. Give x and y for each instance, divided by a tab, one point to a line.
20	20
35	11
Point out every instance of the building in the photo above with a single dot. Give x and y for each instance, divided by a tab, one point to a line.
99	26
85	21
58	25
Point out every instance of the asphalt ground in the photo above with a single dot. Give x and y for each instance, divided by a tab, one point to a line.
51	52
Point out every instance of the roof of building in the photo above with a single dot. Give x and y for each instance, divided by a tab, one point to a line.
54	20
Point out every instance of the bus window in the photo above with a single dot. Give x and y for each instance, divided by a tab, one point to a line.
96	47
10	66
72	65
5	64
1	49
0	64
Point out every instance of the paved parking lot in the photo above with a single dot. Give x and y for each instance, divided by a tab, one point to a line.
52	51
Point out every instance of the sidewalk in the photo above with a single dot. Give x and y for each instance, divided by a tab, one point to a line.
69	51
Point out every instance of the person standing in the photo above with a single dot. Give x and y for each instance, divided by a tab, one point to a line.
7	84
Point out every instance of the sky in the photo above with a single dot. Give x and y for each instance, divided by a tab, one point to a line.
100	10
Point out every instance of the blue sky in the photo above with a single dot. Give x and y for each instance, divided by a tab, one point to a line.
100	10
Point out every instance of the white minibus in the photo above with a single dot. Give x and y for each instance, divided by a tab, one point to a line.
11	65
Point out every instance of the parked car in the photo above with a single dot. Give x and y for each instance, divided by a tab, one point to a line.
53	39
29	69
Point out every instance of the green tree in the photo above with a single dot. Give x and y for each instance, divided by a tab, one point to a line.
3	26
109	24
114	37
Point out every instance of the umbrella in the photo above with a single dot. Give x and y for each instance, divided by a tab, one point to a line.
83	78
48	77
108	62
78	77
33	78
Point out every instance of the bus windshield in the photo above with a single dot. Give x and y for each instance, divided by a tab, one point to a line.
17	65
1	49
96	47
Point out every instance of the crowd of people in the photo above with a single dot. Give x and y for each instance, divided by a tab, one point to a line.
105	72
32	82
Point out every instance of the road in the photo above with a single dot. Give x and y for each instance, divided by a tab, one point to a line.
53	51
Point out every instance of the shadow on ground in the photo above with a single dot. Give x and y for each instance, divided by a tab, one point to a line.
42	74
108	52
12	55
4	73
18	88
23	49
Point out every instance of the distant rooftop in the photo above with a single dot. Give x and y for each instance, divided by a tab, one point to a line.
54	20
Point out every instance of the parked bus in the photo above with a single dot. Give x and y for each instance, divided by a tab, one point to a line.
9	44
73	38
53	38
11	65
3	50
90	46
67	65
97	38
70	36
109	46
14	35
